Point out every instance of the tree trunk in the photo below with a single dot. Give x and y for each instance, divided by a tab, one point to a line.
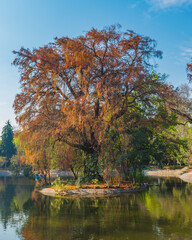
49	178
74	174
134	175
45	178
91	169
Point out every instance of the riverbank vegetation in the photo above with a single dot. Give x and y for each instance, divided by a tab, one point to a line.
95	105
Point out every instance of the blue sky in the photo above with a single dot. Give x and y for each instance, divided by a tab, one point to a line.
34	23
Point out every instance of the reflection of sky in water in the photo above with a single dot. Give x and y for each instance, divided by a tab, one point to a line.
10	232
14	192
159	213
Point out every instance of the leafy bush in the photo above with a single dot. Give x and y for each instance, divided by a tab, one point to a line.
15	169
140	176
84	180
58	182
28	171
111	177
78	182
95	181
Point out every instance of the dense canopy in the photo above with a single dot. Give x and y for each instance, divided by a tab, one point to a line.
98	101
75	88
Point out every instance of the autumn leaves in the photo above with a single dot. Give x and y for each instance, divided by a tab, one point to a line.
74	91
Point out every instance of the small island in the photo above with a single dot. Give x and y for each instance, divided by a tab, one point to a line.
104	190
92	190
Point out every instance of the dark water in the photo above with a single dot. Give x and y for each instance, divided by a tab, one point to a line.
163	212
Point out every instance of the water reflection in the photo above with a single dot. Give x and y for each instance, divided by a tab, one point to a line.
14	194
162	212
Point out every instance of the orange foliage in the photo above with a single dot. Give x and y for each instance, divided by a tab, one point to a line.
72	90
189	70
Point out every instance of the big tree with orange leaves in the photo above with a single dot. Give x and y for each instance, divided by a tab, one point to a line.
74	90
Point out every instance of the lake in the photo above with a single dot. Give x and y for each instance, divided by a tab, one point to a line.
161	212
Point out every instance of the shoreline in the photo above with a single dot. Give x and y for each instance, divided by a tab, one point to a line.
184	174
5	173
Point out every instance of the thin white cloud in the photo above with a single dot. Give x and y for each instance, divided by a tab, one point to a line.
186	52
3	103
168	3
185	55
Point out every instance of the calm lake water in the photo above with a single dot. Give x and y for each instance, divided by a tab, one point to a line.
162	212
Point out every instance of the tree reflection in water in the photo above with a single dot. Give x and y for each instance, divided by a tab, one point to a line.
159	213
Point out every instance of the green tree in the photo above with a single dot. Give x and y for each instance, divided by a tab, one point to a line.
8	148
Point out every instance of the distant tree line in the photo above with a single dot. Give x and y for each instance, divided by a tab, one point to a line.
7	146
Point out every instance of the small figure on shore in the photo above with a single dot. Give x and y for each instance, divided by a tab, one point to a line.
38	177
